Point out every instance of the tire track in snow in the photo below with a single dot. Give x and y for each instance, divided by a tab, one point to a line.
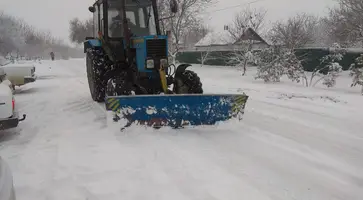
264	165
80	156
181	168
303	128
332	128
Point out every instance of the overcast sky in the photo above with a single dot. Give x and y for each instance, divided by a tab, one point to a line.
276	9
54	15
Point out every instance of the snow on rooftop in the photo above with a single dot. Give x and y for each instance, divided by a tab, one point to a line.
216	38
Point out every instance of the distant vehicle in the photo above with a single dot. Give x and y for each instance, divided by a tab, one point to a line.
7	191
8	112
20	74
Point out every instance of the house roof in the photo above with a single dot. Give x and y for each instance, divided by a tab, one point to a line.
215	38
250	34
225	38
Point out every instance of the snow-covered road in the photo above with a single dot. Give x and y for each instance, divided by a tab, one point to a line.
294	143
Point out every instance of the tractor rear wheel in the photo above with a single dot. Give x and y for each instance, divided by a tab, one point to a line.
188	83
95	84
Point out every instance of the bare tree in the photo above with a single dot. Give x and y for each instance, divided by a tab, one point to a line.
346	22
296	32
356	72
247	18
187	17
322	36
205	55
11	38
328	69
79	30
18	39
240	31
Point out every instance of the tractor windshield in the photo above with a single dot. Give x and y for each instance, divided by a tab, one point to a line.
140	19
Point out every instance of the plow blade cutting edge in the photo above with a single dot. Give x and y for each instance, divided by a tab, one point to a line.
177	110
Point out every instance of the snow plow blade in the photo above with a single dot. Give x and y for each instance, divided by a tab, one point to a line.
177	110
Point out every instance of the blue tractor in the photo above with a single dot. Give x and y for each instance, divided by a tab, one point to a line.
128	68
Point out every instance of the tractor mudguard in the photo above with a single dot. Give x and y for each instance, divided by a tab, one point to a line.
91	43
181	68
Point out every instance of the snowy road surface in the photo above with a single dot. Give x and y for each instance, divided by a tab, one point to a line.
294	143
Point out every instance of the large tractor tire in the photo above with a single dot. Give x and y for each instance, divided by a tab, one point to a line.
95	83
188	82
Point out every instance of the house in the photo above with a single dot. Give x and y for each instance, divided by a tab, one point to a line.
215	41
223	41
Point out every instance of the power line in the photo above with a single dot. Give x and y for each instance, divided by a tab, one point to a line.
238	5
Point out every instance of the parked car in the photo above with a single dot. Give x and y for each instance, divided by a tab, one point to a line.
20	74
4	79
8	112
7	191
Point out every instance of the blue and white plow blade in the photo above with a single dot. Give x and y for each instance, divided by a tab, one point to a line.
177	110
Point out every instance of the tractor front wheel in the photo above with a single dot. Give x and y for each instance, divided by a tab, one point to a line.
95	84
188	82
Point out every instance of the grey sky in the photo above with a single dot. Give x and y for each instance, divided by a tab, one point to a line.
54	15
276	9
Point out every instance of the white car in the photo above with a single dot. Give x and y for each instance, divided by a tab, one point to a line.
20	74
7	191
8	113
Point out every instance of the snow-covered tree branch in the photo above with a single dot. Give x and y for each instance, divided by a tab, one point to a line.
241	58
356	72
274	62
293	67
329	68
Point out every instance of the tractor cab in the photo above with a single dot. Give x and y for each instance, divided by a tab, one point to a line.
137	38
108	14
140	19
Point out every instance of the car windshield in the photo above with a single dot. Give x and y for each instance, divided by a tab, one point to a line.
140	19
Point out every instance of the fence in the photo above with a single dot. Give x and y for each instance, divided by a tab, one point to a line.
310	57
